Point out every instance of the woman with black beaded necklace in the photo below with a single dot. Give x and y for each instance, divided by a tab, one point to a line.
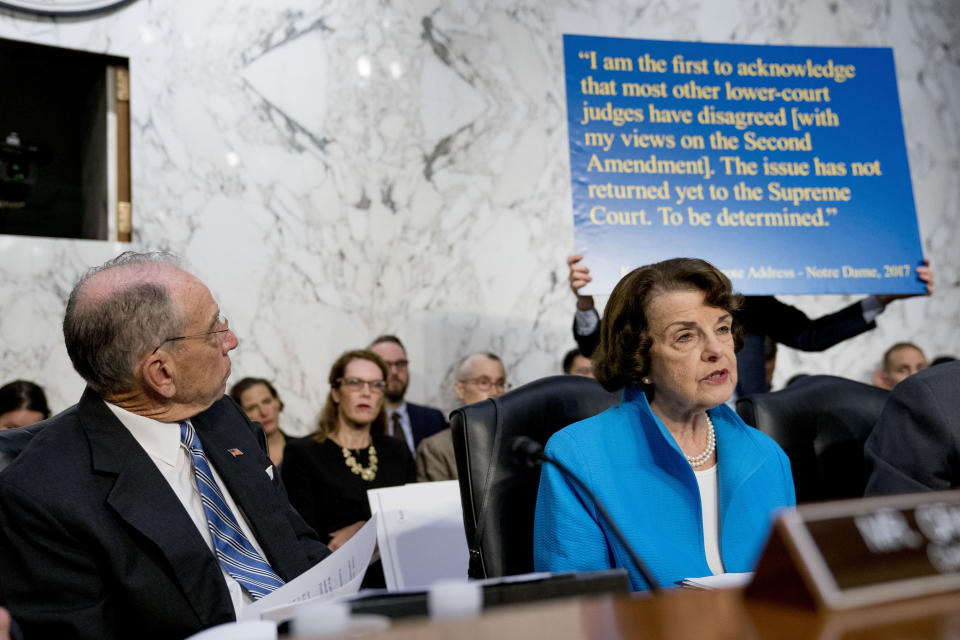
328	474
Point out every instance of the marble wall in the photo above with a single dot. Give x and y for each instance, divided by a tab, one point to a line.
339	169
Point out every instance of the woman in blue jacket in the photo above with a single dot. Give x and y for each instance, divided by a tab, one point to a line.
691	485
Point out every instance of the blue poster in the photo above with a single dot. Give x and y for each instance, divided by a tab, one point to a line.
783	166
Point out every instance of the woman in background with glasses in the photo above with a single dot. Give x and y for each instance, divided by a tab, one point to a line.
328	474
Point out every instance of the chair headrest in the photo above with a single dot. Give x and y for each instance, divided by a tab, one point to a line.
498	496
815	407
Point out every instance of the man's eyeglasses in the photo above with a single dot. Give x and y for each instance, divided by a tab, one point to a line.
485	383
400	365
221	322
356	384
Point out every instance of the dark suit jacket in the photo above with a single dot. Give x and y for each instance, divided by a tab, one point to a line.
915	445
95	544
424	421
766	316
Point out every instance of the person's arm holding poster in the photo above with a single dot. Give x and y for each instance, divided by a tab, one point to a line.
789	326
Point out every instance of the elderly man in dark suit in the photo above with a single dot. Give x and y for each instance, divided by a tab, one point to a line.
150	509
406	421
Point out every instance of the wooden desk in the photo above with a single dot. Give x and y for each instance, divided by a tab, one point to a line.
699	615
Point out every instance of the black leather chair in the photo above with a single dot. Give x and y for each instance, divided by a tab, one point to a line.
13	441
499	497
821	422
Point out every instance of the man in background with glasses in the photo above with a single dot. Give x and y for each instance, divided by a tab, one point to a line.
150	509
479	376
405	421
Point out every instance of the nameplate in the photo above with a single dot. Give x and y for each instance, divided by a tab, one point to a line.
854	553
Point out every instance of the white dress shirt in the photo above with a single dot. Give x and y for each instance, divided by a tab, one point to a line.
585	322
161	441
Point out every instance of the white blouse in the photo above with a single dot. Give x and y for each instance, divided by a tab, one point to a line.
707	480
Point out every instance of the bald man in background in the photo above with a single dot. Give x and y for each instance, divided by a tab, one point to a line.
900	361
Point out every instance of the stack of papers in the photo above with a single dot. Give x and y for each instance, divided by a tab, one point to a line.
335	577
421	535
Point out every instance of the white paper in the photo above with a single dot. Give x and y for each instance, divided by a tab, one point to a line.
287	611
721	581
336	576
420	533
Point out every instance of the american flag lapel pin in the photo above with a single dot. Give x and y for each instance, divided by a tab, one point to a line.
236	453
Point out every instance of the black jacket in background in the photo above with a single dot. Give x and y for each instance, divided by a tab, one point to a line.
95	544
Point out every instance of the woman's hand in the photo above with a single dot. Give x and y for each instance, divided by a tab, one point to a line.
340	536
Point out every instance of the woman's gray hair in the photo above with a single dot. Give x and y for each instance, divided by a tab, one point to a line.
107	336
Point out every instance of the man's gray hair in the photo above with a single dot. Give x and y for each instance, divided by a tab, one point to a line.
107	336
463	369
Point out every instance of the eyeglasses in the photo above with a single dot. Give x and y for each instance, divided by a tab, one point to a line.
398	364
221	322
485	384
356	384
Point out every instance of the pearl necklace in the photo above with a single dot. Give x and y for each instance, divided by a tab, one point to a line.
697	461
367	473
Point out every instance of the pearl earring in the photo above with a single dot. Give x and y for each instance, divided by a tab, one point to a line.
646	380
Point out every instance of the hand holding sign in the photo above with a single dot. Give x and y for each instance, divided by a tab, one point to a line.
579	278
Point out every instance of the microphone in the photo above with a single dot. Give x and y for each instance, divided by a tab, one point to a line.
528	453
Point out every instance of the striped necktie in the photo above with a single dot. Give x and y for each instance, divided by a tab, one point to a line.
236	554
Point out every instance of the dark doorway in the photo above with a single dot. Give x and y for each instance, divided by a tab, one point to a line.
57	114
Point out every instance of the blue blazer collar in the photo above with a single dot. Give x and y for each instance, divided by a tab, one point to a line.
733	440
